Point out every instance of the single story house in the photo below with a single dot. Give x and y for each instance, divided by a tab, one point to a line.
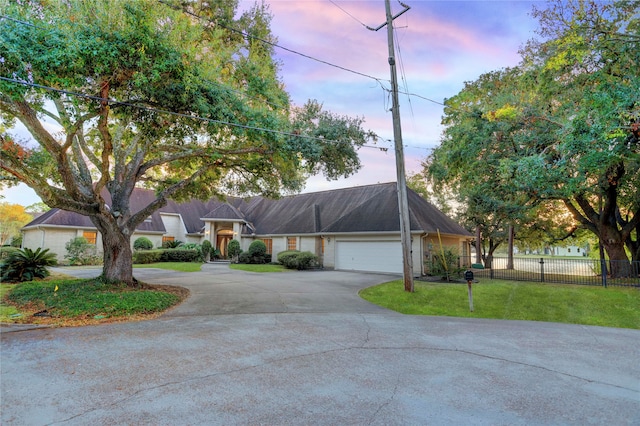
355	229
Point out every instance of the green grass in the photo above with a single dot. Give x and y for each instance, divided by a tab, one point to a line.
608	307
258	268
79	299
172	266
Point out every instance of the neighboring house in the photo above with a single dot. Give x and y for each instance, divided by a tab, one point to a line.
348	229
566	251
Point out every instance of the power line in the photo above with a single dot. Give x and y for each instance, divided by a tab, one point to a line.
270	43
348	14
161	111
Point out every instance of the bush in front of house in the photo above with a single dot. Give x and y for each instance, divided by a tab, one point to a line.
81	252
142	243
147	256
181	255
233	249
27	265
299	260
5	251
171	244
206	249
257	253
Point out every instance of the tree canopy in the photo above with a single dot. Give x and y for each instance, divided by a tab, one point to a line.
563	127
182	97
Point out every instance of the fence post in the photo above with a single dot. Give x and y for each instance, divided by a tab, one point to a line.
603	272
541	270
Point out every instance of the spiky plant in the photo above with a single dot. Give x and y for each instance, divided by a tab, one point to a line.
27	264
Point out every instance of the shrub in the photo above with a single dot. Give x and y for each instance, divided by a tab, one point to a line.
294	259
5	251
306	260
207	248
244	257
447	266
257	249
233	249
147	256
16	242
180	255
26	265
81	252
288	258
171	244
142	243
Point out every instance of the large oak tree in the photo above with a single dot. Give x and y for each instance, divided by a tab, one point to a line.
561	127
179	96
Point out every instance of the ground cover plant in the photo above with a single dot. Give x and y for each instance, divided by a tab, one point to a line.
82	301
496	299
172	266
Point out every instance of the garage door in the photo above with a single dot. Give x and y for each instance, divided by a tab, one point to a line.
373	256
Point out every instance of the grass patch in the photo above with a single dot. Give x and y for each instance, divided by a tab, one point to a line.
81	301
172	266
258	268
608	307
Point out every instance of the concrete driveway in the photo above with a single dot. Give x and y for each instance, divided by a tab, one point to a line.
301	348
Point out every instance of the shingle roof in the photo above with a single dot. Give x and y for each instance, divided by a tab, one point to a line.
371	208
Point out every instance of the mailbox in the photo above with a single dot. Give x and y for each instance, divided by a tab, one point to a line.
468	276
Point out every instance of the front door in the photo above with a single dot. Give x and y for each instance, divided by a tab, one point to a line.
223	241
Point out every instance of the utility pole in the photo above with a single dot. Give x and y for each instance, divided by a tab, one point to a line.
403	203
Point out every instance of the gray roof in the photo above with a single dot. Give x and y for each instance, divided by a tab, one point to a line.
370	208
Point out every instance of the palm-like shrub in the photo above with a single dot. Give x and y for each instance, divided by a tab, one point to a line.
27	265
171	244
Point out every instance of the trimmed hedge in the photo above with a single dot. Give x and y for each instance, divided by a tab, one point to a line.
181	255
147	256
167	255
299	260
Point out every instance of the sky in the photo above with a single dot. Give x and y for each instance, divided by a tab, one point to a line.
439	46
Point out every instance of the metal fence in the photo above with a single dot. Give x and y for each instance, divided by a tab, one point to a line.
563	271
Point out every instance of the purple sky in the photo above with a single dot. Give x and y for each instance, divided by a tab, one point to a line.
442	45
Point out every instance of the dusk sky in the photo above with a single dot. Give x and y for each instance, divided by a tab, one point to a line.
442	44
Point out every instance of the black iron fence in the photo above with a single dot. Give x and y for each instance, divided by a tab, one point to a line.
558	270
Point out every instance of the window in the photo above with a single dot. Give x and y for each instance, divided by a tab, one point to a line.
90	236
269	243
292	243
166	239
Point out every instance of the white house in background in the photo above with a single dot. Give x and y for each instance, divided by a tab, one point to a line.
355	229
566	251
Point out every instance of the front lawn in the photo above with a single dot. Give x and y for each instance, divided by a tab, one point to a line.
172	266
258	268
496	299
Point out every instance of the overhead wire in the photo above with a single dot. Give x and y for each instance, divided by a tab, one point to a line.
348	14
270	43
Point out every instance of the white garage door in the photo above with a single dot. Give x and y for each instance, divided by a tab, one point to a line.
373	256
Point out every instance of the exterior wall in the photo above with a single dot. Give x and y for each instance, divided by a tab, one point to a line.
567	251
174	226
55	239
307	244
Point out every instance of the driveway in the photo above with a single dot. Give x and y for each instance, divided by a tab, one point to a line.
301	348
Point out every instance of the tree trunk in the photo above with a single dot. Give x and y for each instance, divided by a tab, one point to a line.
118	256
510	248
620	267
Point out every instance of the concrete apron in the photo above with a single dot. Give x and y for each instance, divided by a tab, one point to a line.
303	348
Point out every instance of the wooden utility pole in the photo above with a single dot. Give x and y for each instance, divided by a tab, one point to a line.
403	203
